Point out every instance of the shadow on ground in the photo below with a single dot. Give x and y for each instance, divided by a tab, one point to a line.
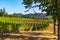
20	37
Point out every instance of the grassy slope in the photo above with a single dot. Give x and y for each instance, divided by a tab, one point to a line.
12	19
17	20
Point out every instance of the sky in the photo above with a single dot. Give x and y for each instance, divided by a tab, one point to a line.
15	6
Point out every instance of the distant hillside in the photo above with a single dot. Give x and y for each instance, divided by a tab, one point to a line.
36	15
30	15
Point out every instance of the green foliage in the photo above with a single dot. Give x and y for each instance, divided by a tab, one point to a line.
52	7
10	27
9	24
42	4
3	12
13	15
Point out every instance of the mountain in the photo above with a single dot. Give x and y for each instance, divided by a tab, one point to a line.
32	15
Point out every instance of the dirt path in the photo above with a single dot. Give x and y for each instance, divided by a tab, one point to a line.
50	28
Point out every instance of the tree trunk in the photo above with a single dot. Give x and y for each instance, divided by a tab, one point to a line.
58	29
55	13
54	25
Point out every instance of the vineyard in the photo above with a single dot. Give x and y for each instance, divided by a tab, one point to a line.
11	24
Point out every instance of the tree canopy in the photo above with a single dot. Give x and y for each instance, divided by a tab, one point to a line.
49	6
